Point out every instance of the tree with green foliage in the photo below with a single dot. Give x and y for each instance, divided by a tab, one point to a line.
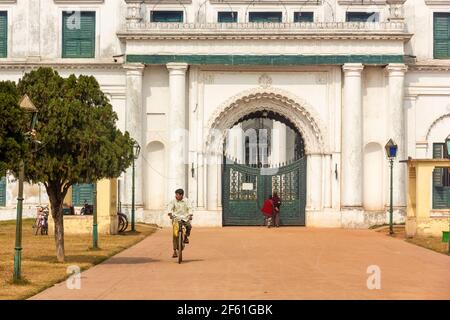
80	142
12	127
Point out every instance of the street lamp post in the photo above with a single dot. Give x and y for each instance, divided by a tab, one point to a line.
26	104
136	150
447	155
391	153
95	225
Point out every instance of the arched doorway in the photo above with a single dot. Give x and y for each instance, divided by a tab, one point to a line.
284	108
260	168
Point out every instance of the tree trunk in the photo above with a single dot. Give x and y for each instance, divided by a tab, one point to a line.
59	232
56	203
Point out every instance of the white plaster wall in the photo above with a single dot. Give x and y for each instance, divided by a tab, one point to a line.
428	111
419	19
28	41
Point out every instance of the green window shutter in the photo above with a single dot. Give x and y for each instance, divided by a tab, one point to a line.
265	16
441	35
441	193
2	192
362	17
227	16
82	192
303	16
3	34
79	38
166	16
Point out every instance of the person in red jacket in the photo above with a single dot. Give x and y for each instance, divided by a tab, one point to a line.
267	211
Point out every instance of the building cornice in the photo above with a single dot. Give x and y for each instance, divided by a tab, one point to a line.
78	1
430	65
266	31
266	60
437	2
75	65
362	2
253	2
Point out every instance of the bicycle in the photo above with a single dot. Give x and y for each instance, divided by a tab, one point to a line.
87	209
41	222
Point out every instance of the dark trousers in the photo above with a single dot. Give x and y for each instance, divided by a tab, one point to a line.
188	226
276	218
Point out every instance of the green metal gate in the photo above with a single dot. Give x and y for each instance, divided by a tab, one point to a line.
245	188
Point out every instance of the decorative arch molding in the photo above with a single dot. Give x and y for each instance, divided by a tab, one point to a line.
297	110
435	122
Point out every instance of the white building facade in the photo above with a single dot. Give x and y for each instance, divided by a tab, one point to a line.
330	81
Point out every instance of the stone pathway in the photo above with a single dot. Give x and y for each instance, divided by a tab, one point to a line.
261	263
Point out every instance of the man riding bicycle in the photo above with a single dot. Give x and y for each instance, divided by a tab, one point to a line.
180	209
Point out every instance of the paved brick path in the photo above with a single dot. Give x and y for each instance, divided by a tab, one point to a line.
260	263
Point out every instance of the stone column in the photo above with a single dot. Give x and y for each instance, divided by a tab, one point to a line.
396	128
135	117
326	174
352	137
279	142
178	138
34	34
213	167
314	164
240	144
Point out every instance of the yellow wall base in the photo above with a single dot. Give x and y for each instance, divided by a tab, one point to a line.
107	220
426	226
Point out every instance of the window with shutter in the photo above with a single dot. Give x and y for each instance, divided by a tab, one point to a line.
362	17
303	16
441	35
81	193
227	16
166	16
441	181
3	34
265	17
78	34
2	192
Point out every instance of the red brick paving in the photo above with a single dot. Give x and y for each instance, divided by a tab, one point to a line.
261	263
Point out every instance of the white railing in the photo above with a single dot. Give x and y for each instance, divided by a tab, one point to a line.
267	26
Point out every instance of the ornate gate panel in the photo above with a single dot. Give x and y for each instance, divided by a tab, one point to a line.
245	188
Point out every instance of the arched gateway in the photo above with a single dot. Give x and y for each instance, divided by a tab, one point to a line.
251	178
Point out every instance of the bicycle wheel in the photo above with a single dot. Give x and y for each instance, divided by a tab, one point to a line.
123	222
180	245
121	226
126	222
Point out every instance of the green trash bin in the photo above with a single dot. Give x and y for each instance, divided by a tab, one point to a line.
444	236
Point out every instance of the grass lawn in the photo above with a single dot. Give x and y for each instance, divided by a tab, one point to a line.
40	268
429	242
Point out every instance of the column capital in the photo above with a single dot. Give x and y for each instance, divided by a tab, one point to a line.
177	67
396	69
134	68
353	69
